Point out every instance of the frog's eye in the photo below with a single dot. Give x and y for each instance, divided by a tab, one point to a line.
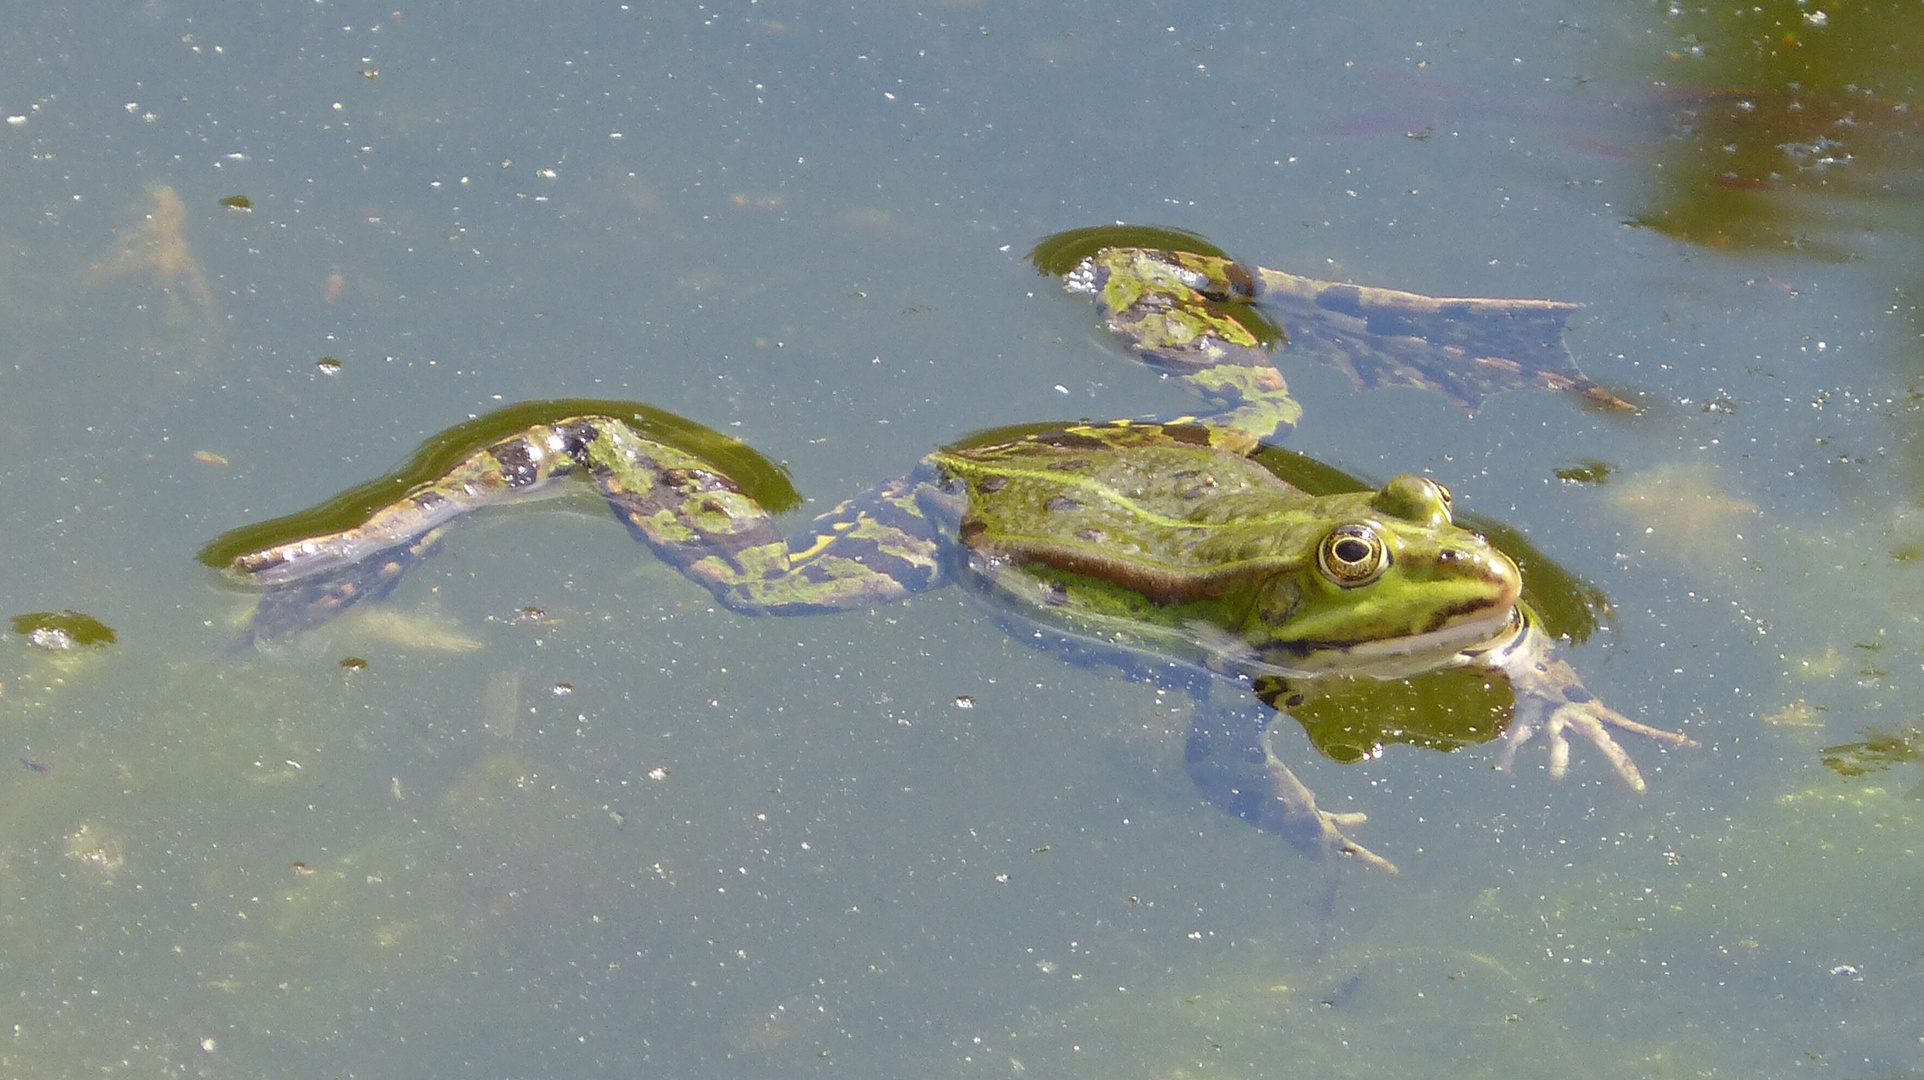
1352	555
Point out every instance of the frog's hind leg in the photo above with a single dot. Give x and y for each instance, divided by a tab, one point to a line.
313	573
1232	763
666	478
873	549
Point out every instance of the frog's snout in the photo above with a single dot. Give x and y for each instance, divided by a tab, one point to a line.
1476	558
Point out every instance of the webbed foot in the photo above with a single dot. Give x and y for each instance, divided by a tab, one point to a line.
303	603
1551	701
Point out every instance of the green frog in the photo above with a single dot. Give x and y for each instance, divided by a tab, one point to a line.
1179	546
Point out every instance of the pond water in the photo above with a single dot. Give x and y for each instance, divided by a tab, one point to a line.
631	833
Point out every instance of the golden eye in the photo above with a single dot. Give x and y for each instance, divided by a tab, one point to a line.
1352	555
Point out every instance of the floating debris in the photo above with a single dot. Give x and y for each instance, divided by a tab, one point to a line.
63	631
1585	472
1797	714
1879	750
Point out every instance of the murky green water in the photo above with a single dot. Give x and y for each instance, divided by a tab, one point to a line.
636	835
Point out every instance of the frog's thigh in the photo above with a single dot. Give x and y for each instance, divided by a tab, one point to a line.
873	549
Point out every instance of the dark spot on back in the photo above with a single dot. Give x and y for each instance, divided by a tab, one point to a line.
576	437
1241	283
517	463
1069	440
1197	490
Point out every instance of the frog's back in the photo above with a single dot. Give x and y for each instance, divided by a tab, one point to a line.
1162	496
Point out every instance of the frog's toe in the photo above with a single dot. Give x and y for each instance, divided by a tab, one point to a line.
1623	723
1362	854
1559	749
1593	729
1520	732
1319	833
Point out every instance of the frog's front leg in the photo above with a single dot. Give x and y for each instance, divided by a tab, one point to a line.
1551	701
1232	762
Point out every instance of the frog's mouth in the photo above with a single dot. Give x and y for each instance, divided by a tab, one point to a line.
1465	633
1455	639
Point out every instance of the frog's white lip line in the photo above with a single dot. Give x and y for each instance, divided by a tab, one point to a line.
1456	635
1393	658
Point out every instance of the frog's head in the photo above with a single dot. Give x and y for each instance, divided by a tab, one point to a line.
1390	580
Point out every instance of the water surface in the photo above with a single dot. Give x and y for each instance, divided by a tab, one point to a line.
637	834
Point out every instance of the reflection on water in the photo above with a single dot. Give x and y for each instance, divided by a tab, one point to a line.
1774	127
1783	167
1791	127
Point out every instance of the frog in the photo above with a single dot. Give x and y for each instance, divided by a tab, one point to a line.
1175	546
